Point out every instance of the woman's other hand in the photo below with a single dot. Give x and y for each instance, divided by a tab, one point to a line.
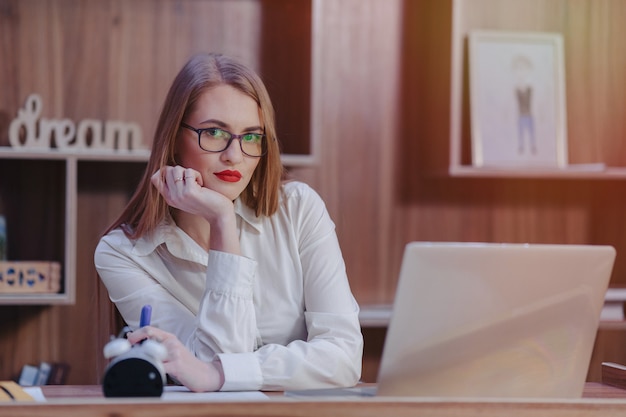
180	363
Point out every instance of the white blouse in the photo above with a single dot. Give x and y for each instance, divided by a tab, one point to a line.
280	317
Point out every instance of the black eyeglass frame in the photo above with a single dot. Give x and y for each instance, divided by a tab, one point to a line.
232	137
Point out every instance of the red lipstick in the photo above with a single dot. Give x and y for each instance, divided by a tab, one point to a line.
228	175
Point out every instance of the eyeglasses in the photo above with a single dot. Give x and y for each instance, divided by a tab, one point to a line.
214	139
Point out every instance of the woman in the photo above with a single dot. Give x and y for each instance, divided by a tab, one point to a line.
244	273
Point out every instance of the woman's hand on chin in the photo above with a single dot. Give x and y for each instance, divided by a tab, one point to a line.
182	188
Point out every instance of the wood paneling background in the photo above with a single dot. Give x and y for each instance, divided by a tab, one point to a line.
377	100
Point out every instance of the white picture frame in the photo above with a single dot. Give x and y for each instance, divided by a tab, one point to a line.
517	99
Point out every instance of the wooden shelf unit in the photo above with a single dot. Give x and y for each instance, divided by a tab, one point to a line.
70	160
595	80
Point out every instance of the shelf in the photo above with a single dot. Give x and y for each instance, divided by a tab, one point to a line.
375	315
34	299
379	315
583	171
116	156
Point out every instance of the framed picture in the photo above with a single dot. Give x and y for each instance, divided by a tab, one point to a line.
517	100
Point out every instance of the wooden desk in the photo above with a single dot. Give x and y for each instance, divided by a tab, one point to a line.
71	401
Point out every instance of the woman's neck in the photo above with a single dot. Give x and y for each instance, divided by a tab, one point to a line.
195	226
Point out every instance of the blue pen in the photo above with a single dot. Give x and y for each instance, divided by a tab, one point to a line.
146	313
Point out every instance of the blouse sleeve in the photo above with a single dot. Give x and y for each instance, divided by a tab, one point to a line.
130	282
226	308
332	352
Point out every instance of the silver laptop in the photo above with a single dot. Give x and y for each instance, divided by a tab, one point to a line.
494	320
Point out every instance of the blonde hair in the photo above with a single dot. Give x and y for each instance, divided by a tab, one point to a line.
147	208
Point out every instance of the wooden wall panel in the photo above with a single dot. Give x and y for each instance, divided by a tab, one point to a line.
113	60
356	46
285	55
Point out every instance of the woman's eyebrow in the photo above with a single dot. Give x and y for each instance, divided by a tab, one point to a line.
214	122
223	125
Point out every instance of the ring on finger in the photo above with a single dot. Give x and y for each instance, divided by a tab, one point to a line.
178	179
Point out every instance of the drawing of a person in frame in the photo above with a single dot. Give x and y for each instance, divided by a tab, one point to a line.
522	68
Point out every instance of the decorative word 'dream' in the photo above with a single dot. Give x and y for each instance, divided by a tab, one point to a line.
27	130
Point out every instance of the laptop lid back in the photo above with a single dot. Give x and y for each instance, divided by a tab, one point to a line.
494	320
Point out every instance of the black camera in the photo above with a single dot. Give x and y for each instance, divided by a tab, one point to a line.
135	370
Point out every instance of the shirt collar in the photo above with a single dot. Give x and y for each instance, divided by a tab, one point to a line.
177	241
248	215
167	232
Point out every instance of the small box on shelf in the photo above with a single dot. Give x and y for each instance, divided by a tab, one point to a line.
30	277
